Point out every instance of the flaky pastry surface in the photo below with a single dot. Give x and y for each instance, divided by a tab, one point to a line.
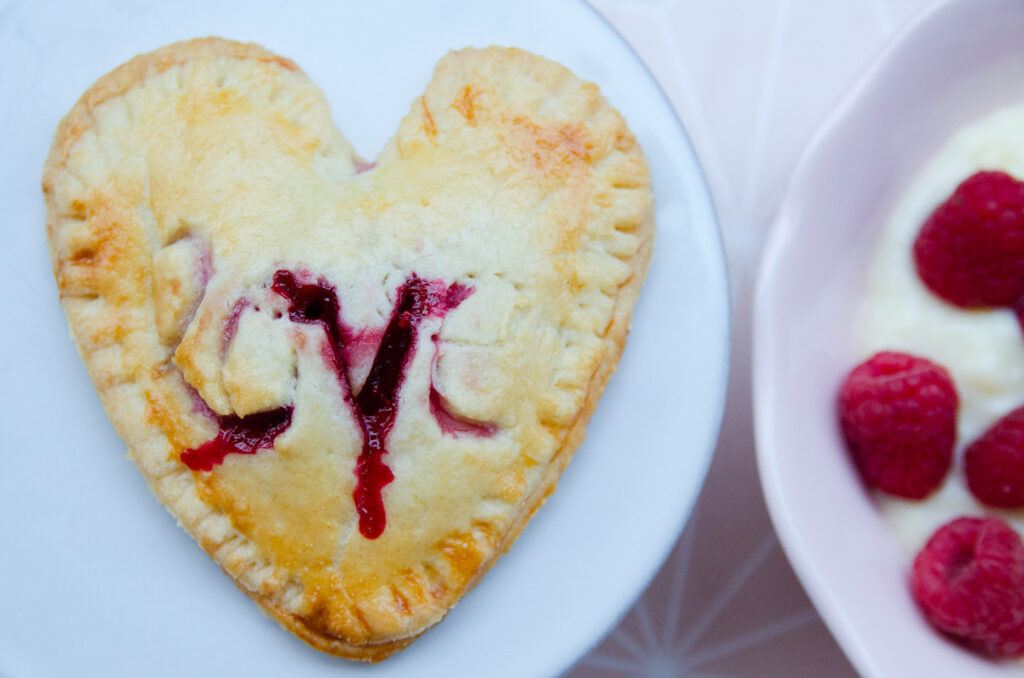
178	185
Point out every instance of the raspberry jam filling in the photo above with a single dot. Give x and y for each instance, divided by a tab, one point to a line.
316	304
450	422
375	406
239	435
377	402
231	326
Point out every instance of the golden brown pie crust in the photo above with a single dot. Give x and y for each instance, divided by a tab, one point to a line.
181	180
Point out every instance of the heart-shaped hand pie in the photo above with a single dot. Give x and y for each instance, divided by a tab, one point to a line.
352	384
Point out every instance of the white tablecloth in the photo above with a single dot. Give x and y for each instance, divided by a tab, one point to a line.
750	79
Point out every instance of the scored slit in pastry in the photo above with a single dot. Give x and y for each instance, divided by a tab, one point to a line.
352	384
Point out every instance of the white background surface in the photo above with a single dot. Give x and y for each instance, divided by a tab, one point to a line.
98	580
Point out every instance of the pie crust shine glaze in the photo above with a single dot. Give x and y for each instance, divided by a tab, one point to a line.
353	384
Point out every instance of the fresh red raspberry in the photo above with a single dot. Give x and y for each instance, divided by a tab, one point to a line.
994	463
898	416
970	251
969	582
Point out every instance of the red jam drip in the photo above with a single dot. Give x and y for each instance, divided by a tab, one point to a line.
449	422
316	304
239	435
376	405
454	424
377	402
363	165
231	326
1018	311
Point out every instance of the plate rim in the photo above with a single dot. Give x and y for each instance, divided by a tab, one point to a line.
722	326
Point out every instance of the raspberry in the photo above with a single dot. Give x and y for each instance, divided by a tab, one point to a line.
969	582
994	463
898	416
970	251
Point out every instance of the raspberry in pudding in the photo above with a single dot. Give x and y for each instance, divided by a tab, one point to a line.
994	463
970	251
898	415
969	582
945	285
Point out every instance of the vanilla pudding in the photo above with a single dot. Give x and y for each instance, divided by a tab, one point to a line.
983	350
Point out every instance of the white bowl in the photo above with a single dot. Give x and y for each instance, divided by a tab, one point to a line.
961	60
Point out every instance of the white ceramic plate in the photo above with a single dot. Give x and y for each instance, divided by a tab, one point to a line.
96	579
953	65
